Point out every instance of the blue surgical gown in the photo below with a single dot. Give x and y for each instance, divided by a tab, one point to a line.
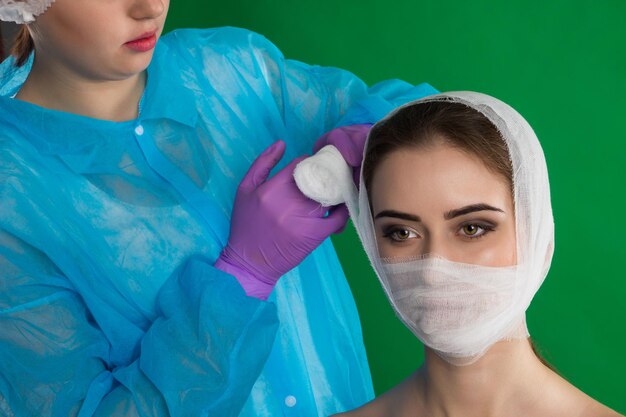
109	303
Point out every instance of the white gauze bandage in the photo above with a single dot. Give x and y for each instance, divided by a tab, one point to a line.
22	11
459	310
326	177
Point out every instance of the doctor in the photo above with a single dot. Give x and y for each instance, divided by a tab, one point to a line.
141	231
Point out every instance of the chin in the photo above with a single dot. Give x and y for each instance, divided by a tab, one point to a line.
130	65
129	71
141	63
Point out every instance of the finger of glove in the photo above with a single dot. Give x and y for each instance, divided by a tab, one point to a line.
262	166
356	176
321	141
286	173
349	141
336	220
282	188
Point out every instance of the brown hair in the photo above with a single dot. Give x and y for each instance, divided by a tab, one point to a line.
1	45
22	46
426	124
451	123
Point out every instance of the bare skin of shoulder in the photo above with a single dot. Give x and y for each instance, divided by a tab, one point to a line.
524	387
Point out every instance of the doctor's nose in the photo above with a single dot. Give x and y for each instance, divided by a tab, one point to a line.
147	9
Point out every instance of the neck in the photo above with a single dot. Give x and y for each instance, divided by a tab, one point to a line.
57	88
507	379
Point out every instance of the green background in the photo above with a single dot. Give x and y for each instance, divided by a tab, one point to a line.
561	65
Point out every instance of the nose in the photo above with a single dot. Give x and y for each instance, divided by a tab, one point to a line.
147	9
434	246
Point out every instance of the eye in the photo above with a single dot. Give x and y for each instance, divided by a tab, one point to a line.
399	234
475	230
471	229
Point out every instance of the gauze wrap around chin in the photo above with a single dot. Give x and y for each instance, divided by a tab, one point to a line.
22	11
459	310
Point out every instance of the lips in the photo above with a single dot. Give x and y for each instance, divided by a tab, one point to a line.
144	42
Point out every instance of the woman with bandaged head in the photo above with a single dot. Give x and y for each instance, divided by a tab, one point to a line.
454	213
142	237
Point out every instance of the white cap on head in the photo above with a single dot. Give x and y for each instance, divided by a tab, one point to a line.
22	11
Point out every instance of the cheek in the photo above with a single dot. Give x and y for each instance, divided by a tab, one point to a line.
70	26
498	251
73	39
385	249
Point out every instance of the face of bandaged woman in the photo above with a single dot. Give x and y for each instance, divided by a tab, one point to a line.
442	201
99	39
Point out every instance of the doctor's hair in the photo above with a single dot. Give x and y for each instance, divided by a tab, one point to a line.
22	46
431	123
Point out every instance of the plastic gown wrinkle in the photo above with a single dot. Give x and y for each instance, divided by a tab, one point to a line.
119	244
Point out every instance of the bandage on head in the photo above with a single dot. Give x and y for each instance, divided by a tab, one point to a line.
484	304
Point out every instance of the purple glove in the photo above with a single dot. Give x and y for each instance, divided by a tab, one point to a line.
350	142
273	226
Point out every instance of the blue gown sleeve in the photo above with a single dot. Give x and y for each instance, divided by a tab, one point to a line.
309	100
199	357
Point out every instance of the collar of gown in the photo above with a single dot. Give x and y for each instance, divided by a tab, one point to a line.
56	132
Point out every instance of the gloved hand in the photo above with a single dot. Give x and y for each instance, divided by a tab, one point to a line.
273	226
350	142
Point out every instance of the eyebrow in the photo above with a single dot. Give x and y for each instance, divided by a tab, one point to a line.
398	215
447	216
470	209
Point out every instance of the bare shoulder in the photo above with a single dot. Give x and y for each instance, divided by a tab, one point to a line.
375	408
394	403
596	409
576	403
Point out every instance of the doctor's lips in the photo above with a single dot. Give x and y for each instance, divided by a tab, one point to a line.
144	42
